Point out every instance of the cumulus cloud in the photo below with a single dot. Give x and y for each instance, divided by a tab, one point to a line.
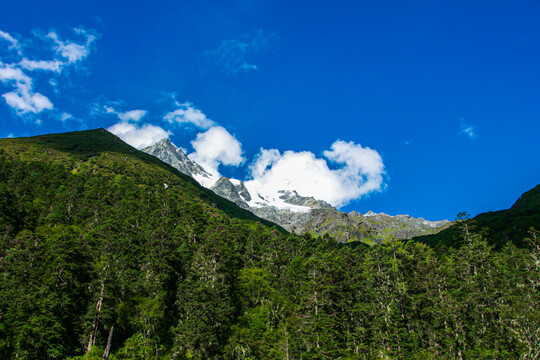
231	54
264	160
188	114
467	130
214	147
139	136
361	173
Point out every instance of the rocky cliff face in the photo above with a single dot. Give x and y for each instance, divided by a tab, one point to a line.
177	158
352	226
237	194
298	213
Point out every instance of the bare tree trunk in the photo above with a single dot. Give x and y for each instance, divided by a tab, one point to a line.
93	334
108	347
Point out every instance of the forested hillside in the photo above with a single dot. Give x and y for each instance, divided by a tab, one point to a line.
499	227
107	252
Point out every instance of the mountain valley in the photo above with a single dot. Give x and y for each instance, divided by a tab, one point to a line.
107	252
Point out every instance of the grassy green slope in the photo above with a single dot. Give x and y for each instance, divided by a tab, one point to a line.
105	154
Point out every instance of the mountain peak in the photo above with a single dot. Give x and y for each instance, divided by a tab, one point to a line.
167	152
164	141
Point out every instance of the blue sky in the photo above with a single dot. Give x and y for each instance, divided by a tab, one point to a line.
445	95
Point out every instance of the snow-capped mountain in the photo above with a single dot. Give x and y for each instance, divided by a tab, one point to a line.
294	212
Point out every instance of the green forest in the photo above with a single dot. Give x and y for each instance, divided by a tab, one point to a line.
106	252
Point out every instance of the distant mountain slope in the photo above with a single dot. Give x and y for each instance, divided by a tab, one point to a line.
501	226
297	213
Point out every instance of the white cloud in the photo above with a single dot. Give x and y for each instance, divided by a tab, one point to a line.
47	65
214	147
73	51
9	72
65	117
22	99
188	114
264	160
361	173
139	136
100	107
132	115
363	167
27	102
467	129
14	42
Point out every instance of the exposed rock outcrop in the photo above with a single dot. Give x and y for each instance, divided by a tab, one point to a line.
225	188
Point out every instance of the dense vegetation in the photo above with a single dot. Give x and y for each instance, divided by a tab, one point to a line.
103	249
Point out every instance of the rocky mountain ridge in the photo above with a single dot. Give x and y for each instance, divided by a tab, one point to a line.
167	152
296	213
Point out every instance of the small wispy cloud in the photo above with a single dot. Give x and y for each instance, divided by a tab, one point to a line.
467	129
132	115
14	43
231	55
65	117
103	107
70	50
46	65
18	73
